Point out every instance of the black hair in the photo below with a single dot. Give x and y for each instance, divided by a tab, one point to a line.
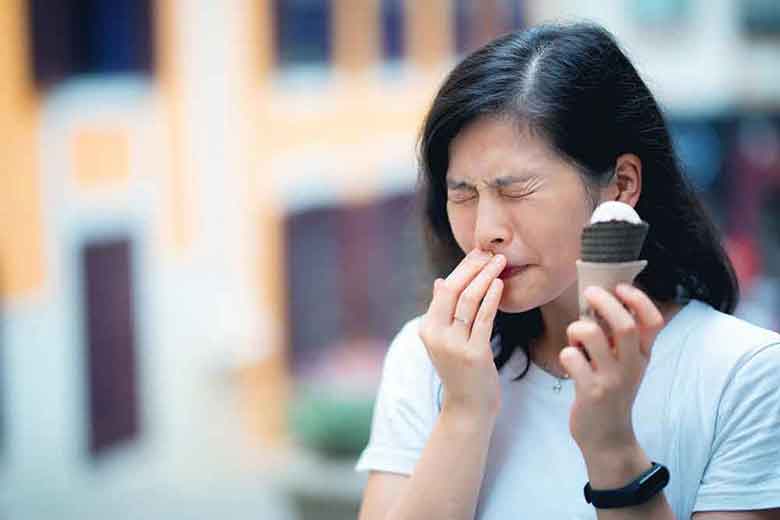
573	85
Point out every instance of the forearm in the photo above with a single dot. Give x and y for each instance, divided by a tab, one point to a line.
657	508
616	469
447	479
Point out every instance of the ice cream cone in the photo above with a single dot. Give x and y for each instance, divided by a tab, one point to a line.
613	242
611	245
604	274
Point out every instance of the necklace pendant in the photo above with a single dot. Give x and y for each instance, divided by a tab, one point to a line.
557	386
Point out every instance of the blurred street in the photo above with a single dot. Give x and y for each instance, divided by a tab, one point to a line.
210	237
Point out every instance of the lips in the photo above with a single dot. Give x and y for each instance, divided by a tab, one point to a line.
510	271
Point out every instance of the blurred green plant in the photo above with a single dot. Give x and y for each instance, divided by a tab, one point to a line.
333	423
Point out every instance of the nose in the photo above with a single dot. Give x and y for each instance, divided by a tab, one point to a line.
492	230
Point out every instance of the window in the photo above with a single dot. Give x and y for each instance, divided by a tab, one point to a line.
660	13
74	37
769	238
392	29
353	274
476	23
760	18
313	269
700	144
110	333
303	31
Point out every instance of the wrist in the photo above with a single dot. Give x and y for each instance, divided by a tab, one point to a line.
467	419
468	407
617	466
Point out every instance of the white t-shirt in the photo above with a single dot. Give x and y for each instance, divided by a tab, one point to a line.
708	408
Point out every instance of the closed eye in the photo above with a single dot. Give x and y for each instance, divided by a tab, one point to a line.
517	195
460	198
461	194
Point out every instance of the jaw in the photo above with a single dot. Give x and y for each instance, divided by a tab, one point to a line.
561	308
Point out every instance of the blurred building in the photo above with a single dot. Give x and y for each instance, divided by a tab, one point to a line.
207	204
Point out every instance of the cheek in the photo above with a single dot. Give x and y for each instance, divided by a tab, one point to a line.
562	243
573	242
570	225
462	229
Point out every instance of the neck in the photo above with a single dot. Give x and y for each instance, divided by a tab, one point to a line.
557	315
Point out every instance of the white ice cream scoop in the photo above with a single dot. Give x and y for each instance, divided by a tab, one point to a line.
615	210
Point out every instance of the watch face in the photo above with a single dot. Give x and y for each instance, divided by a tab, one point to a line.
658	477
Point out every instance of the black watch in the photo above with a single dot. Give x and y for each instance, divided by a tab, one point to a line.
642	489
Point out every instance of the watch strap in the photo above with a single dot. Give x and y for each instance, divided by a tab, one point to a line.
639	491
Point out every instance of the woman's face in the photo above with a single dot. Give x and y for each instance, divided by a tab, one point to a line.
508	192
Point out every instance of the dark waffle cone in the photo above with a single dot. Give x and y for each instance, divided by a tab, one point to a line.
614	241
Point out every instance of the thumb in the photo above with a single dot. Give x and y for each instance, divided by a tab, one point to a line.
575	363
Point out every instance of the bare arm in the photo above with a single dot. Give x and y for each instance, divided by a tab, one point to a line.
601	423
382	490
763	514
446	480
610	470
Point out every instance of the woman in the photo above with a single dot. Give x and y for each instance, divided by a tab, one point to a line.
499	402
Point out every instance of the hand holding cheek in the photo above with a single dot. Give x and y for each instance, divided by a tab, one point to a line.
607	366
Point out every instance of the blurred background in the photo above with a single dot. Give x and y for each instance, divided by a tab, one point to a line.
209	233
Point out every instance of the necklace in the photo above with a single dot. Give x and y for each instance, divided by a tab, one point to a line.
558	385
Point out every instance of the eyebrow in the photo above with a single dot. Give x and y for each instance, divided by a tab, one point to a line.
500	182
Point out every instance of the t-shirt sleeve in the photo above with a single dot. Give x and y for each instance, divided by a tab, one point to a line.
743	472
405	408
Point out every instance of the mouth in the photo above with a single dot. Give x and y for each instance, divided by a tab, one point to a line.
512	270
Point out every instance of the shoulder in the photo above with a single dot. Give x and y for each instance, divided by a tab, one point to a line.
407	352
716	349
407	339
709	333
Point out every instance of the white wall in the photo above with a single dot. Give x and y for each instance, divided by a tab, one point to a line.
701	64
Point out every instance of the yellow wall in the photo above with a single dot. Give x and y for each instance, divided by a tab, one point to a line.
100	156
355	23
429	37
356	107
21	232
178	198
353	106
261	36
265	384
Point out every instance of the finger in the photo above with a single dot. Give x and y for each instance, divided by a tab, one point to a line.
470	299
469	267
591	337
649	318
483	324
576	365
436	283
446	295
621	325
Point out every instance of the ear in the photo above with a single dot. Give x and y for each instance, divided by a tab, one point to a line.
626	186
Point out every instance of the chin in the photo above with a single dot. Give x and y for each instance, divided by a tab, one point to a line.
523	300
511	305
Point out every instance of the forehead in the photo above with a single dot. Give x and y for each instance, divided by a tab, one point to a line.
490	147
